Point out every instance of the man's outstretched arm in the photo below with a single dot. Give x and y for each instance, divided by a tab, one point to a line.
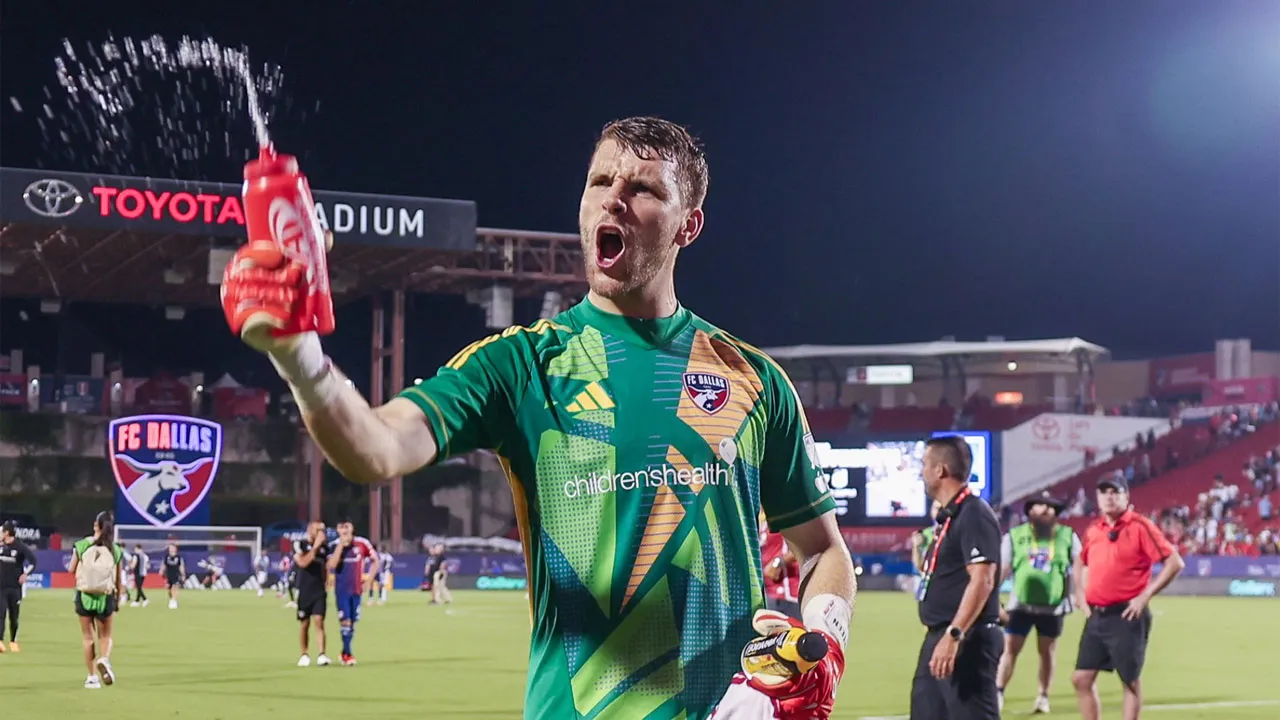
365	444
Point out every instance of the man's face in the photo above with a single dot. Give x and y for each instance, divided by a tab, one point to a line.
8	537
933	473
173	549
1042	515
632	220
346	531
1111	500
317	531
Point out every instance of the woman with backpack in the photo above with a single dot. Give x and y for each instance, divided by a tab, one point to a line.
97	566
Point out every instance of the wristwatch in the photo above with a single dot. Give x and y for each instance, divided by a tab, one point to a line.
956	633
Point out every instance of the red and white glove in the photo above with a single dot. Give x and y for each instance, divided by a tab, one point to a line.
808	696
280	307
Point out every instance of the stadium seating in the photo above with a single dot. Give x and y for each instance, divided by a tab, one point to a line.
829	420
1185	441
997	418
902	420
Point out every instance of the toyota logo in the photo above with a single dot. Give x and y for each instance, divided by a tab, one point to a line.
1045	428
52	198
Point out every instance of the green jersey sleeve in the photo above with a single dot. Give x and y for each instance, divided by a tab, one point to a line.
793	489
470	403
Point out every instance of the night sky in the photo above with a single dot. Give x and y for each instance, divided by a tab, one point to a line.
880	171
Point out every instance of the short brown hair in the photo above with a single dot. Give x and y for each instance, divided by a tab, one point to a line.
650	137
955	455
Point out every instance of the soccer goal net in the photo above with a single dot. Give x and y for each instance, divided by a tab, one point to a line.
212	554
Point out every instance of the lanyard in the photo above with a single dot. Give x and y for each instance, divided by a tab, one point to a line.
942	534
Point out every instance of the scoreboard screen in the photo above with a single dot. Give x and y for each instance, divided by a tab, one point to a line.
881	482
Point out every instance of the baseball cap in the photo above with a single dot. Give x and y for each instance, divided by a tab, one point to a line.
1117	483
1043	498
9	527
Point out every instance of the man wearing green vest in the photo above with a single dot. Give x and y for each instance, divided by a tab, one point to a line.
1039	554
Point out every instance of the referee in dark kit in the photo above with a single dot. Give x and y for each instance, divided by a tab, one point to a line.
16	560
959	603
1113	574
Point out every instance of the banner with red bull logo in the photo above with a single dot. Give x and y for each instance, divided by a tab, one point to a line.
164	467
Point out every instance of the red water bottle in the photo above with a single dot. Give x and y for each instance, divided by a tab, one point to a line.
278	205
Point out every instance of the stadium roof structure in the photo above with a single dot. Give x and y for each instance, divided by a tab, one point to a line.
1054	355
105	238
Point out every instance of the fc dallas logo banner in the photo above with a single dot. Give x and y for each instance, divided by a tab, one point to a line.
164	465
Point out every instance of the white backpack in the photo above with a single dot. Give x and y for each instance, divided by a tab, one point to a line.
97	572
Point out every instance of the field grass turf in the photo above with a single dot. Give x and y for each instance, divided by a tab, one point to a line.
232	654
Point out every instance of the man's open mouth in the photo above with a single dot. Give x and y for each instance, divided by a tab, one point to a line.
609	246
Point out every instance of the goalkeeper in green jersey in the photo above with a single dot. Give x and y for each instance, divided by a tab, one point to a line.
640	442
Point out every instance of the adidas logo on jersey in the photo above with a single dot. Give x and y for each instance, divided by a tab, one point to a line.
592	398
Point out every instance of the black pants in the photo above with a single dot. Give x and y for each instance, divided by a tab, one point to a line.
1109	642
970	692
138	594
10	602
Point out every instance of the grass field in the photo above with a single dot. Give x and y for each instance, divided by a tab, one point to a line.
231	655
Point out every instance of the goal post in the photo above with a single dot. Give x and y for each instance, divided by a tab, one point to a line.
232	547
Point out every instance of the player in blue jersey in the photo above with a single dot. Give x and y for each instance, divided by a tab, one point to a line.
348	564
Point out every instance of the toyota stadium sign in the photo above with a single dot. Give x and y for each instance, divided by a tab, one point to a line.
111	202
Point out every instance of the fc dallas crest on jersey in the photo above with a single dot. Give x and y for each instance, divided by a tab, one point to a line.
164	464
709	392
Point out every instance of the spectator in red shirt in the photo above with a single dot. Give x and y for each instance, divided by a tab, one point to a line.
1114	586
781	572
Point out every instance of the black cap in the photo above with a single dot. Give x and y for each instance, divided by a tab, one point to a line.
9	527
811	647
1043	498
1115	482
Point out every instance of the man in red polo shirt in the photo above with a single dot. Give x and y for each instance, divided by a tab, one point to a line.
1114	585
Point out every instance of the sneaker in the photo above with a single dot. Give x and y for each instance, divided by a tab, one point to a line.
305	661
173	604
348	660
1042	705
13	646
291	604
146	603
92	683
103	666
1	647
133	604
323	660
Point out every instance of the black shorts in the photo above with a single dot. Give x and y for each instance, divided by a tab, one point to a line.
103	615
312	605
173	581
1109	642
1046	626
970	693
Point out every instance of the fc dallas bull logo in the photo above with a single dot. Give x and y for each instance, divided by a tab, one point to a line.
164	464
709	392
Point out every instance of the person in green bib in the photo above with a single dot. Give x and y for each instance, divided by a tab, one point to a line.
1039	554
97	566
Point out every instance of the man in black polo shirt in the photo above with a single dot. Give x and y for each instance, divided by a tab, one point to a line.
959	604
310	557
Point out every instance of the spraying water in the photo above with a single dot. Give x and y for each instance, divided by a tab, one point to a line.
148	107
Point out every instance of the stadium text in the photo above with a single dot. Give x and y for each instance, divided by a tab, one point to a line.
215	209
597	483
164	436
